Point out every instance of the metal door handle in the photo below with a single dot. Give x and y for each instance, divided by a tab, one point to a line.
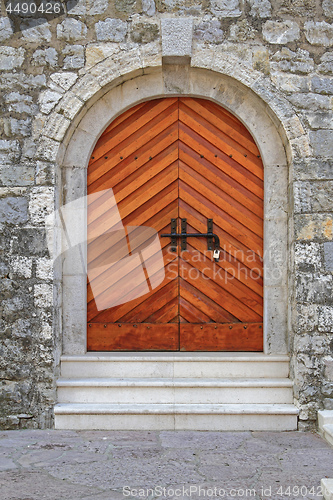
184	235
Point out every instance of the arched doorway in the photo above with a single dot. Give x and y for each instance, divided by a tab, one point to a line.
175	165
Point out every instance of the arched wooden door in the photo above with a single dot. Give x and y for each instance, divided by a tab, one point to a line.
175	158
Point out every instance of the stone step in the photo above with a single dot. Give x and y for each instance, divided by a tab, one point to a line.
175	390
328	433
325	417
194	365
204	417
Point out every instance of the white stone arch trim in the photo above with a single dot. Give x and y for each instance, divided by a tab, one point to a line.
97	80
74	144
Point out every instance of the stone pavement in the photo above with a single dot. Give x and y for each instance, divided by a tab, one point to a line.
105	465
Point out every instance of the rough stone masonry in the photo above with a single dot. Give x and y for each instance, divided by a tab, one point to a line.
288	43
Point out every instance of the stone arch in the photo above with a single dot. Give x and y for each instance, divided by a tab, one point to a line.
270	120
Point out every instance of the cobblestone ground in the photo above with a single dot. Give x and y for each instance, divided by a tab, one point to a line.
103	465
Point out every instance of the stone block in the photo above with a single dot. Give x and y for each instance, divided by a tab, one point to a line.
322	85
313	102
322	196
260	60
97	52
9	151
328	371
148	7
326	65
313	169
36	30
260	8
328	405
45	173
314	288
291	83
17	175
21	267
45	57
275	312
209	31
276	187
20	127
328	255
87	7
41	204
56	127
308	254
320	119
225	8
319	33
74	315
176	40
71	30
305	318
322	143
48	149
6	29
47	100
13	210
44	269
242	31
289	61
310	343
29	242
82	144
313	227
300	147
43	295
144	32
64	79
150	56
327	389
280	32
111	30
74	57
325	318
86	87
70	105
11	58
327	6
20	103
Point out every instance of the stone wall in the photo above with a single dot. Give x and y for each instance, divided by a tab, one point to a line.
286	44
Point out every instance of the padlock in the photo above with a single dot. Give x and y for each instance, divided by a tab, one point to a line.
216	254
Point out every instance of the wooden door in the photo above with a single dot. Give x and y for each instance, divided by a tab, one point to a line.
175	158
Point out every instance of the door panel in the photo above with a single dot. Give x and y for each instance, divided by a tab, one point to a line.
175	158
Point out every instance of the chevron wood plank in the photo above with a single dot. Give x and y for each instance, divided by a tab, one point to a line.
223	120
